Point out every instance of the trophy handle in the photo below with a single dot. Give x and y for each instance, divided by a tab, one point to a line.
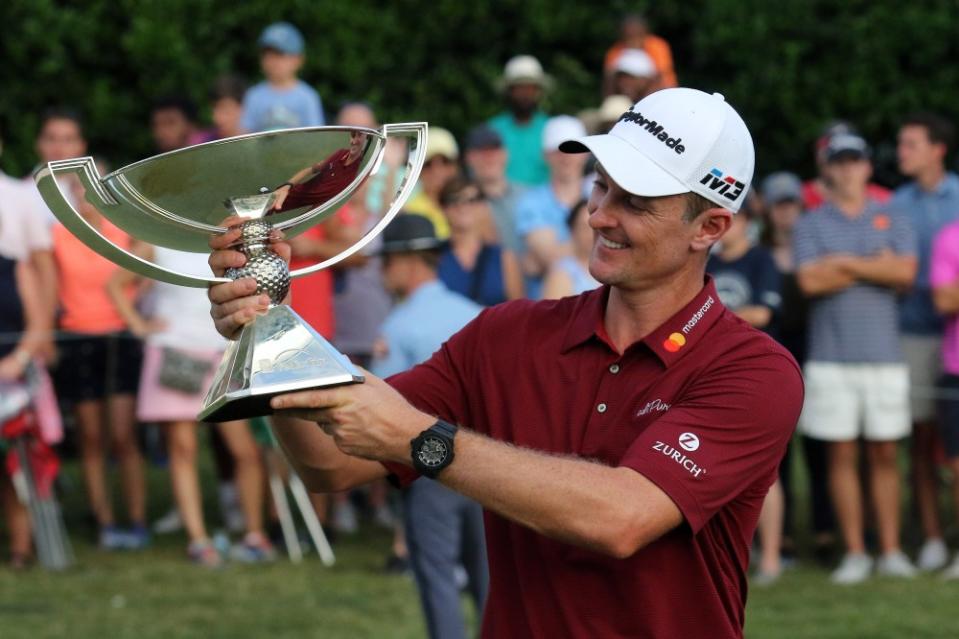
414	164
100	197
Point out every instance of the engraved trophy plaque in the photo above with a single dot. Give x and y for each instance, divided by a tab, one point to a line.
178	200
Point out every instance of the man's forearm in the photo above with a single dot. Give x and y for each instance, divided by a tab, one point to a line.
823	278
569	499
946	298
896	271
317	460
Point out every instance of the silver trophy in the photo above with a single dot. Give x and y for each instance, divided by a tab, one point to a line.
287	180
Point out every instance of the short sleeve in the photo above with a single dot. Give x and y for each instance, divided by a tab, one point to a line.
727	433
314	109
904	240
248	119
439	385
944	263
805	247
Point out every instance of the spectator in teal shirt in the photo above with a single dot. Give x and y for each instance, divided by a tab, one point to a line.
521	126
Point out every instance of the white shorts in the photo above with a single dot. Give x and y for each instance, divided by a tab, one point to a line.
846	401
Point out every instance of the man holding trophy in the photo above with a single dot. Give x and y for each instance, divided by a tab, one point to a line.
621	441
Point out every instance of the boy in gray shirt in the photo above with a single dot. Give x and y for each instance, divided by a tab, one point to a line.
853	256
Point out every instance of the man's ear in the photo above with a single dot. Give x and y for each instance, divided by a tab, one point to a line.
712	224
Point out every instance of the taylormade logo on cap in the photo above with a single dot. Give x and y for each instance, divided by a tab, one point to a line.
655	128
675	141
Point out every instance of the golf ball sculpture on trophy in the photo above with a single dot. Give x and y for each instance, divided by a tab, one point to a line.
288	180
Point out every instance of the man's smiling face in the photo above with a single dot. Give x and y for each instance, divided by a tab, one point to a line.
642	241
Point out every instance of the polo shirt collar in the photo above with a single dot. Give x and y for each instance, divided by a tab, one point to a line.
670	341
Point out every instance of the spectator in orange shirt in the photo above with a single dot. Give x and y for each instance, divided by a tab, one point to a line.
98	374
634	34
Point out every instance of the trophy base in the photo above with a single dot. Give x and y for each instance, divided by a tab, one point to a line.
275	354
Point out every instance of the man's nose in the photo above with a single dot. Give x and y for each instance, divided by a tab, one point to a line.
600	217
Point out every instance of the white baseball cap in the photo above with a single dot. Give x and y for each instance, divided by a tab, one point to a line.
674	141
560	128
635	62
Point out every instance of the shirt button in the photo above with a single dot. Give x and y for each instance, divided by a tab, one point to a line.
614	369
601	408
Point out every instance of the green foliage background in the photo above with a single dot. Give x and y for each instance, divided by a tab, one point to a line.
789	67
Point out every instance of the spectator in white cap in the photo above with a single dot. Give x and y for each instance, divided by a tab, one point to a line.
524	83
635	75
542	211
620	440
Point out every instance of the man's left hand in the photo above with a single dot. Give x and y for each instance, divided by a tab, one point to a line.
369	420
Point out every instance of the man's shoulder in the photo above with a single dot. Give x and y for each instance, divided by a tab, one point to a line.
904	192
535	195
305	89
524	316
738	346
501	121
258	90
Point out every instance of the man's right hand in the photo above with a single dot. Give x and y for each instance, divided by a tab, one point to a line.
235	304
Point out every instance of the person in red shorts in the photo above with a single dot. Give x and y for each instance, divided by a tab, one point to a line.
621	441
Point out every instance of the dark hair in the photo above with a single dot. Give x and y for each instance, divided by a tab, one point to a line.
229	86
696	204
180	103
939	129
571	216
430	257
453	187
61	113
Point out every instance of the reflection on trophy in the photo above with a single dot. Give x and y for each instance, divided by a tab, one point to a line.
286	180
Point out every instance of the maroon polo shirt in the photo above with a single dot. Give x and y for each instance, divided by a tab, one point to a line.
703	407
330	177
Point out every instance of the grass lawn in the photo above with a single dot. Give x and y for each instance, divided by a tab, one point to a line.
156	593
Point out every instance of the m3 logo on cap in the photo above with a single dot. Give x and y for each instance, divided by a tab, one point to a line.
655	129
726	185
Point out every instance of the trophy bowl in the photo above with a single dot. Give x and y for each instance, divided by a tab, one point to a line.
288	180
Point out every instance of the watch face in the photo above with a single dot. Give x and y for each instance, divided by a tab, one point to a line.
432	452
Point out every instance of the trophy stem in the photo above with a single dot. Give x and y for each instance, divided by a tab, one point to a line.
277	352
271	273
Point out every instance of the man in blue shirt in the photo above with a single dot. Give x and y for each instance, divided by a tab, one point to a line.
443	528
541	212
282	101
521	125
930	201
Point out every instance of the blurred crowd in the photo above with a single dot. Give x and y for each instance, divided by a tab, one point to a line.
860	283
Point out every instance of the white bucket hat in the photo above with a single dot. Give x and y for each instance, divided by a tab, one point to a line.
675	141
524	69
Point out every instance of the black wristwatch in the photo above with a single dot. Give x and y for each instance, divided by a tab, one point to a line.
432	450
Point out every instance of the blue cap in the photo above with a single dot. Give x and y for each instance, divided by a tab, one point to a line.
283	37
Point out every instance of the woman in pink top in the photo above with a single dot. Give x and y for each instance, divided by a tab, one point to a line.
98	373
944	279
